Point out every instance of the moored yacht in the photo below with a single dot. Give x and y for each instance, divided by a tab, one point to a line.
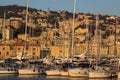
99	74
29	71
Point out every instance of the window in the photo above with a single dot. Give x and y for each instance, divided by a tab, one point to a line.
33	53
18	48
33	48
7	53
0	53
27	47
11	47
3	48
48	51
60	51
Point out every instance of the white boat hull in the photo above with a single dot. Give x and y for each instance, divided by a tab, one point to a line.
52	72
8	71
28	71
78	72
118	75
64	73
96	74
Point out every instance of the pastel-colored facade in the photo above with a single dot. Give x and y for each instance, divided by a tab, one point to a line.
7	34
55	51
15	23
5	51
80	49
23	36
1	22
33	51
8	50
64	46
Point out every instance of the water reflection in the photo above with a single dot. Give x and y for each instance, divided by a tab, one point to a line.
56	78
26	76
78	78
43	77
105	79
7	76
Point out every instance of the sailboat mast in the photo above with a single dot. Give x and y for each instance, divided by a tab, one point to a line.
87	37
74	11
97	39
55	36
115	49
26	18
4	34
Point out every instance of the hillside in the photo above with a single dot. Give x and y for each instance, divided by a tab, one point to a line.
42	21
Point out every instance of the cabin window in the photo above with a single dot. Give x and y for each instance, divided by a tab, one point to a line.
0	53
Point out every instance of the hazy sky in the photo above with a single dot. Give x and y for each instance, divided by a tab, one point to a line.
110	7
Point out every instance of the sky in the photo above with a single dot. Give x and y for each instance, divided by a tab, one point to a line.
109	7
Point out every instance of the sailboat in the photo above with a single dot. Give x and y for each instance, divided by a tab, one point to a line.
115	52
30	69
98	71
7	69
65	72
54	71
79	71
76	72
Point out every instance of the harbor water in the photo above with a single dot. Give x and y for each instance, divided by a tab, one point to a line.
42	77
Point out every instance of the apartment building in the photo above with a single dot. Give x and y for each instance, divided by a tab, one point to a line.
9	50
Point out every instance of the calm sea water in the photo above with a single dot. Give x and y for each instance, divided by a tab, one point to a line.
39	77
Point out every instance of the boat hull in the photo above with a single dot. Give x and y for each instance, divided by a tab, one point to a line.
52	72
64	73
118	75
78	72
8	71
28	71
95	74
